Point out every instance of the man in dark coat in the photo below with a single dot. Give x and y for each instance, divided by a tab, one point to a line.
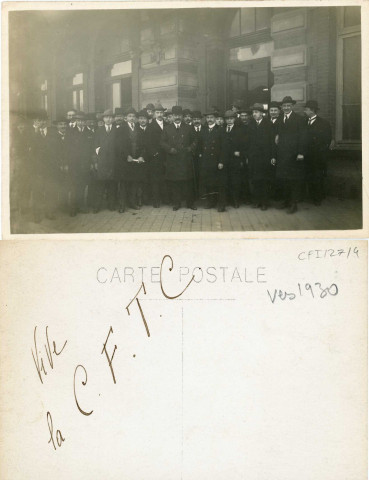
212	172
261	156
234	139
319	138
20	171
61	152
47	172
136	159
291	148
156	156
80	142
107	156
197	127
274	119
179	143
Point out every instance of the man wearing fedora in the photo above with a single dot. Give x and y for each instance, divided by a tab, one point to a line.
261	156
319	139
135	151
179	143
118	117
150	109
156	156
212	174
291	149
187	116
234	142
108	162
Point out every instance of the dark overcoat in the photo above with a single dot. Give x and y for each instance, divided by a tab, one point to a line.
80	148
292	142
235	141
133	145
179	165
262	149
319	136
210	148
109	157
49	167
155	152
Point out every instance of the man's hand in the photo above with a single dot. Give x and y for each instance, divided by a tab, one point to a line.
332	145
276	140
129	159
273	161
299	157
140	160
173	151
220	166
97	150
236	154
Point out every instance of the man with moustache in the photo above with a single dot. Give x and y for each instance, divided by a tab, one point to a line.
319	141
212	173
156	156
179	143
197	127
187	116
261	156
234	142
291	150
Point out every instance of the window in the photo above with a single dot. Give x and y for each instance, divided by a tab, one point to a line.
77	91
250	20
348	125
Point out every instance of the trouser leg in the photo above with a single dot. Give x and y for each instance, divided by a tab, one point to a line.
188	191
111	190
221	200
122	195
176	194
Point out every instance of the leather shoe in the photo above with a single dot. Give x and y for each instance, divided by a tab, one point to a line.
221	209
263	208
175	208
192	207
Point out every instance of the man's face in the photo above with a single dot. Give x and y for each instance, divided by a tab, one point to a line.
177	118
42	123
159	114
36	123
196	121
170	118
210	120
234	109
62	127
108	119
257	114
119	119
187	119
245	118
219	121
150	113
90	123
230	120
142	121
80	122
308	112
131	118
287	107
100	123
274	112
71	115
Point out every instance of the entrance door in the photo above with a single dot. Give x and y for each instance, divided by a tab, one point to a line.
119	93
237	87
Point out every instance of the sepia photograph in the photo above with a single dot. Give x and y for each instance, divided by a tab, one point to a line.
185	119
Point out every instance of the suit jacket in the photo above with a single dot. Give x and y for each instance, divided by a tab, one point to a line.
262	149
80	147
47	164
292	141
155	152
109	157
179	165
234	141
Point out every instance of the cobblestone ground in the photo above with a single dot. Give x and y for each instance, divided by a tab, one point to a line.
333	214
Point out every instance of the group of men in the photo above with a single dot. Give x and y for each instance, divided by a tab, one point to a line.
157	156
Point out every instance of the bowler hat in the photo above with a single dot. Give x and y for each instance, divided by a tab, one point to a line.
59	120
119	111
196	114
177	110
158	107
212	111
187	111
312	104
288	99
274	105
143	113
108	113
258	106
236	103
229	114
131	110
150	106
40	115
80	115
245	110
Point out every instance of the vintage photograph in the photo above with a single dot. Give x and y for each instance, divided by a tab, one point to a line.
185	120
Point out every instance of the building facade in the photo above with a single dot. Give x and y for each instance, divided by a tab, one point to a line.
197	58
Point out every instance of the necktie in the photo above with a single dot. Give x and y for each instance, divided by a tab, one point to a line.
285	119
228	128
43	133
132	126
